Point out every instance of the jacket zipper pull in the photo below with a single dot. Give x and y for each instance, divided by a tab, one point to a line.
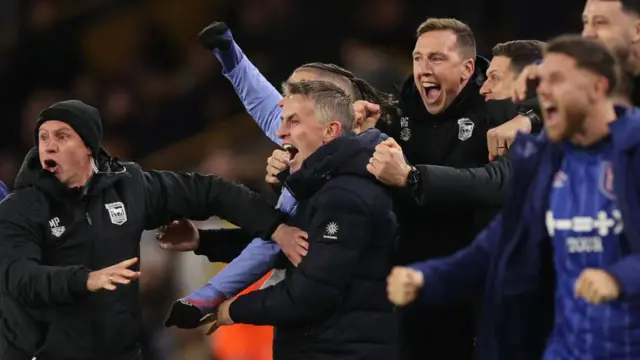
88	218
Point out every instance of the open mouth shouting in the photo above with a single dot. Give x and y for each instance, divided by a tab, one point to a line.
292	150
432	91
550	113
51	166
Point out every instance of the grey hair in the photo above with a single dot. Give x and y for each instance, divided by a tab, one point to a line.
330	101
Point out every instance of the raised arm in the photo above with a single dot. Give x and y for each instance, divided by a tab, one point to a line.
257	94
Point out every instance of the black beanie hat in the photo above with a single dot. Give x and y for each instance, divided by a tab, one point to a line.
82	118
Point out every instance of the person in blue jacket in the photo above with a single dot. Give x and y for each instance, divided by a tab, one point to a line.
558	269
4	191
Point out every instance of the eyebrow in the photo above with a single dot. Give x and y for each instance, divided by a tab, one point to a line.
288	117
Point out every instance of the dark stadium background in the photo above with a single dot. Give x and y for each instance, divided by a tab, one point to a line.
165	104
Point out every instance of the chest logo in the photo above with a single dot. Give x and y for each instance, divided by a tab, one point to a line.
559	179
405	132
465	128
606	180
117	213
331	231
56	229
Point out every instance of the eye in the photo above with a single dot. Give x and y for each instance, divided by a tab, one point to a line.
43	137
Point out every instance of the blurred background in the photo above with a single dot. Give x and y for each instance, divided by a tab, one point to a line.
165	104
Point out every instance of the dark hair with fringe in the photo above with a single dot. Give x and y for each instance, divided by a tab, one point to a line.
362	89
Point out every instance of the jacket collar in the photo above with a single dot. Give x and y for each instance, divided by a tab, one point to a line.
320	167
31	174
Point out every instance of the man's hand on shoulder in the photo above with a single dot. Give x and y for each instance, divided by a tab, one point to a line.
388	164
292	241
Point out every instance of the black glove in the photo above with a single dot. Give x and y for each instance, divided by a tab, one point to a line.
184	315
216	36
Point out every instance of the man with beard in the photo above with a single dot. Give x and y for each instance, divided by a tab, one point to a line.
615	24
558	268
460	124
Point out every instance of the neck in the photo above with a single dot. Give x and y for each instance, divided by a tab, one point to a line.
82	179
596	124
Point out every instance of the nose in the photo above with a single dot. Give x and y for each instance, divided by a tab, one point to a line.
485	89
51	146
423	68
283	131
589	32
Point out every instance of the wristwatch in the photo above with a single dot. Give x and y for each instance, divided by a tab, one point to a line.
413	179
536	122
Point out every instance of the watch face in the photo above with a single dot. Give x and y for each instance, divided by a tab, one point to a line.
414	176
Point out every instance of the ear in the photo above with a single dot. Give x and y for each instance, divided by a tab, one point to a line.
333	130
601	86
636	32
468	67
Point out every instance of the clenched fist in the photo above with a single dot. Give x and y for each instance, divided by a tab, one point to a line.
276	163
500	138
388	164
367	114
180	235
403	285
597	286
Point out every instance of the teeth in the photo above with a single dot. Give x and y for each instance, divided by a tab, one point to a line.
429	84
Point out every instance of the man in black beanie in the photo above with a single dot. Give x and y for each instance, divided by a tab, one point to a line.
76	212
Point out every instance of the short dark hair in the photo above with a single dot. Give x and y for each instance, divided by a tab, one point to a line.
589	55
631	6
465	40
330	101
521	52
361	89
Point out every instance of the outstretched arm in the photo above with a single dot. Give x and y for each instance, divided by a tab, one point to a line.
170	195
257	94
